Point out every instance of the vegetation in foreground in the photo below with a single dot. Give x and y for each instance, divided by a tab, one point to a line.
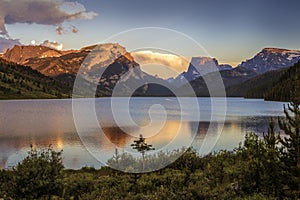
261	168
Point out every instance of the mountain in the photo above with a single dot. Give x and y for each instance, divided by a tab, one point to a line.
199	66
223	67
271	59
21	54
276	85
229	78
104	65
125	72
20	82
51	62
250	79
108	65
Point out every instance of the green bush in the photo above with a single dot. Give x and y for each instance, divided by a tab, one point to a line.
39	175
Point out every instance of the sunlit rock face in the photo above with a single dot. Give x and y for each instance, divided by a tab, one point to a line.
22	54
200	66
104	65
52	62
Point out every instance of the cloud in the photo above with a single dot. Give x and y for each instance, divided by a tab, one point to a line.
74	29
178	63
7	44
53	45
46	12
60	30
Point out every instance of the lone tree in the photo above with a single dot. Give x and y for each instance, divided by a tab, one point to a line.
141	146
291	143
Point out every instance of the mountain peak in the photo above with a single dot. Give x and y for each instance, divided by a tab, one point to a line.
274	50
199	66
271	59
19	54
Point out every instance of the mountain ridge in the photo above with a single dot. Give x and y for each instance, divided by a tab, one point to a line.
271	59
116	65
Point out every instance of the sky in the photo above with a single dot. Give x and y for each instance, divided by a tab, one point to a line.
229	30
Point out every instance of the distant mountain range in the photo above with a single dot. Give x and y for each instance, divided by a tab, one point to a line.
252	78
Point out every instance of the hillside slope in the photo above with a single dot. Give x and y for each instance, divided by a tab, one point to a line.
284	89
20	82
274	85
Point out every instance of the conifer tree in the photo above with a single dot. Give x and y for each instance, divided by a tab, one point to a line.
271	161
291	142
141	146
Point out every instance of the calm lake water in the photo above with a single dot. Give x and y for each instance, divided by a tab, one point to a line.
218	124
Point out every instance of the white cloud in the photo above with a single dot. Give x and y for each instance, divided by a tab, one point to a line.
177	63
46	12
53	45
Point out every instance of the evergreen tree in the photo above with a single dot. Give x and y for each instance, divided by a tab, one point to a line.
291	142
141	146
272	162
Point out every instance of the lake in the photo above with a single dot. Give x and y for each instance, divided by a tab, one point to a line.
101	126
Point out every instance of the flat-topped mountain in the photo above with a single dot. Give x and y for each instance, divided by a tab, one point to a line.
199	66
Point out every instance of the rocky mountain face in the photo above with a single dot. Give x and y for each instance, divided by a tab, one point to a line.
199	66
212	82
52	62
105	65
271	59
237	81
21	54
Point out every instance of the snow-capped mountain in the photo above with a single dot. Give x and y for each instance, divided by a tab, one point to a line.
271	59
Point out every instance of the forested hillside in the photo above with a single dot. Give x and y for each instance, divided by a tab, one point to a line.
273	85
20	82
282	89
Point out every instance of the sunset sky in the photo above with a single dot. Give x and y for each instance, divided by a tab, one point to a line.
230	30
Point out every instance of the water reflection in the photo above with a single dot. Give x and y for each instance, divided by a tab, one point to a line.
50	122
14	148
